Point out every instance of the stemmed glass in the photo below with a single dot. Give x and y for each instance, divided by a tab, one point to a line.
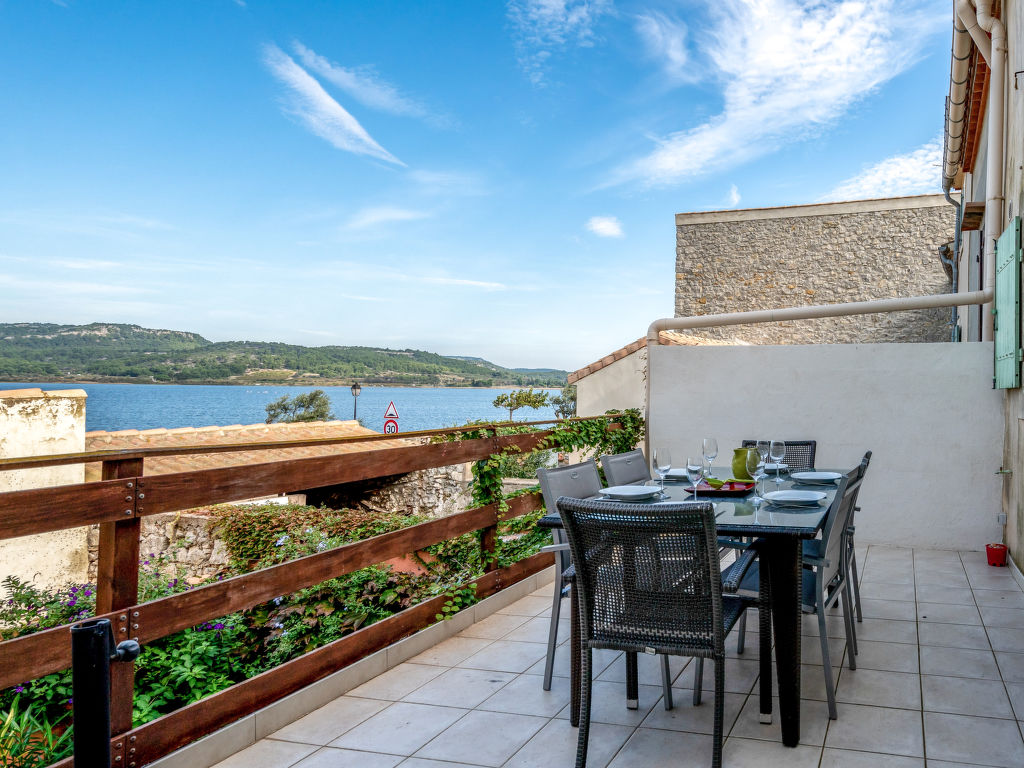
710	447
777	452
662	464
756	471
695	472
762	450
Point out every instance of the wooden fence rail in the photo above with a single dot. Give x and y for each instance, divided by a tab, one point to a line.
119	501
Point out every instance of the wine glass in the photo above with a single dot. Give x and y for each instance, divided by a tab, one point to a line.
662	464
762	450
695	472
756	471
777	452
710	447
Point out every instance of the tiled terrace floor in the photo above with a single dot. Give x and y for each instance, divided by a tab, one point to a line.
940	682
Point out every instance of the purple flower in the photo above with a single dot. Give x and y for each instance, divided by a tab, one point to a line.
218	626
87	592
74	590
71	603
19	689
71	701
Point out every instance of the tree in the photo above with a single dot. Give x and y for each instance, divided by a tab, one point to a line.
521	398
313	406
565	403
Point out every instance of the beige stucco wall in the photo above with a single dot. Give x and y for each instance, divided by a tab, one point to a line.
766	258
618	385
927	411
36	423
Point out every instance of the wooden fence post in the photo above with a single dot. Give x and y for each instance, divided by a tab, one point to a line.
117	586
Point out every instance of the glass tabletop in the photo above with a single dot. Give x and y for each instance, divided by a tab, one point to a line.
740	516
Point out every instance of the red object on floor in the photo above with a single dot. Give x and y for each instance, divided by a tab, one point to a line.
996	554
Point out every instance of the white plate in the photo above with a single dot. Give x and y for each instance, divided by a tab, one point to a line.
776	467
795	498
631	492
677	474
816	478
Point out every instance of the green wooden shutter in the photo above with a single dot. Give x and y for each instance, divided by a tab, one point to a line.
1007	307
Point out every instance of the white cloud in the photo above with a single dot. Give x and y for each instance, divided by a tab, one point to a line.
542	26
365	86
384	214
462	281
312	106
605	226
665	41
788	68
912	173
734	196
448	182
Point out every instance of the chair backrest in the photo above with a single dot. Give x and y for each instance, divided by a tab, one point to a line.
648	576
833	537
799	453
625	468
576	480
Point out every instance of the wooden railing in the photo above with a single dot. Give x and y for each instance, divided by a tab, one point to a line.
125	495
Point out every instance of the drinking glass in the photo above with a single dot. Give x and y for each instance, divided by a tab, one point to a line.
756	471
710	447
762	450
695	471
662	464
777	452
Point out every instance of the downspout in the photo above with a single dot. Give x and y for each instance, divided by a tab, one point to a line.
953	136
994	159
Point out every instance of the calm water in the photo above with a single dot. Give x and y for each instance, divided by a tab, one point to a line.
147	406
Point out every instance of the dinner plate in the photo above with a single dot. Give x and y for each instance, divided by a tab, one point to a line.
678	473
815	478
776	467
791	498
631	492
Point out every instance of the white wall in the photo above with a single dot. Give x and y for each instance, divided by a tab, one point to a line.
37	423
618	385
927	411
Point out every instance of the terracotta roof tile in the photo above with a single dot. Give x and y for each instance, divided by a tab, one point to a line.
667	337
128	439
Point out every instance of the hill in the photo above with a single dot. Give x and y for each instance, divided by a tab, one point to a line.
118	352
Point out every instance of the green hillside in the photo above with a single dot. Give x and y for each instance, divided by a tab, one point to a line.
117	352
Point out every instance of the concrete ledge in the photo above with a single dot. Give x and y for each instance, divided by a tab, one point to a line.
243	733
814	209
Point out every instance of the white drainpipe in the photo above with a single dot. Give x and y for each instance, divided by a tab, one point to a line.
996	59
815	311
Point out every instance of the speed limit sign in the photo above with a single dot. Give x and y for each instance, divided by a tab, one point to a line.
390	427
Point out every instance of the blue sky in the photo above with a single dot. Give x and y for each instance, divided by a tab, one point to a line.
475	178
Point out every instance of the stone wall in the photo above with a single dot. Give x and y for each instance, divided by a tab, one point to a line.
768	258
185	539
36	423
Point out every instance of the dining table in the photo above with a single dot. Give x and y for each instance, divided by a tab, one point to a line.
781	531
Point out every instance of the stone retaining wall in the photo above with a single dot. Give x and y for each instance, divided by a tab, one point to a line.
767	258
185	539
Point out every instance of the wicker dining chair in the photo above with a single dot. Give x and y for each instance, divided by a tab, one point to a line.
648	581
799	453
625	468
580	481
826	581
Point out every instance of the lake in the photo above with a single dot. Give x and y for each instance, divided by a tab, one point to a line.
148	406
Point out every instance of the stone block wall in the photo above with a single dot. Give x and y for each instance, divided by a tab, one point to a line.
768	258
185	538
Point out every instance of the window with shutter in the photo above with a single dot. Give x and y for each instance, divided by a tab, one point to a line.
1007	308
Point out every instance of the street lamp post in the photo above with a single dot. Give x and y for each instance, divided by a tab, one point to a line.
356	389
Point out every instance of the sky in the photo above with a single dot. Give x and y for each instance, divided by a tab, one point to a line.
492	179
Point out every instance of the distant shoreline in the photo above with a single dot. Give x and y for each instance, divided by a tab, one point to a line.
222	383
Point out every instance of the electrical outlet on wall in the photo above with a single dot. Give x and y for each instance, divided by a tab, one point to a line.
1001	518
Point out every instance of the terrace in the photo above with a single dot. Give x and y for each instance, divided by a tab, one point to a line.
940	678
